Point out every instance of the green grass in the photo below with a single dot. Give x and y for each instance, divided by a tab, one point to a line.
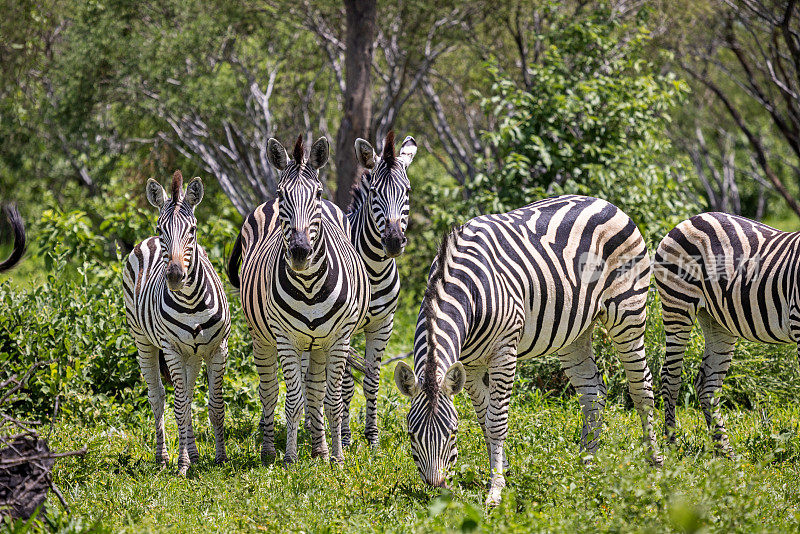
117	485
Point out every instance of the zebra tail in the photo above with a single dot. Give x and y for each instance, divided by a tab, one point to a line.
356	361
14	219
235	261
162	364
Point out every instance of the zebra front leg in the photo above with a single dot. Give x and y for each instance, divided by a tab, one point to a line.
293	376
216	406
148	363
183	405
376	341
266	358
502	371
577	361
336	362
477	386
315	392
716	360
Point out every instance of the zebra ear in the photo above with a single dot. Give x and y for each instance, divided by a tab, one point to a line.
276	154
407	151
406	380
319	153
194	192
155	193
454	379
365	153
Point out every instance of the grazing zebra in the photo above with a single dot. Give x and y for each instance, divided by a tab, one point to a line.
303	288
519	285
378	215
738	278
177	309
18	227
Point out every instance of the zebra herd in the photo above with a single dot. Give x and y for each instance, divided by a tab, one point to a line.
502	288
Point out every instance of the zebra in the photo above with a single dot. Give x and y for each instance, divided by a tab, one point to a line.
518	285
738	278
177	310
303	288
378	215
18	227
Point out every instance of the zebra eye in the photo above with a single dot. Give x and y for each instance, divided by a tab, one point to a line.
319	193
279	194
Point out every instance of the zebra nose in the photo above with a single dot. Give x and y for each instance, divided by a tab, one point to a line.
299	248
393	239
174	275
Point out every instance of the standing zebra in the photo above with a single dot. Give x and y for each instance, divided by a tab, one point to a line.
738	278
519	285
176	306
303	288
18	227
378	215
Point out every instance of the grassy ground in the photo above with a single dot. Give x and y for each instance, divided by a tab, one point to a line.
117	486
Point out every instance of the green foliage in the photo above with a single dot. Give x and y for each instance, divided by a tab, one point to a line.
592	122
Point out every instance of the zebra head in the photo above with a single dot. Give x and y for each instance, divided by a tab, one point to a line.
299	198
389	186
432	418
177	226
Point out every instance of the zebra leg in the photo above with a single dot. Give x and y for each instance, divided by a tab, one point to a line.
148	363
716	361
305	361
337	360
376	341
502	371
183	405
293	376
477	386
192	369
577	361
678	321
348	389
216	406
628	338
266	358
315	393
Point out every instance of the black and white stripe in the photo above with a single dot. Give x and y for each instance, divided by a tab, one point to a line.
177	309
739	279
303	288
378	216
521	285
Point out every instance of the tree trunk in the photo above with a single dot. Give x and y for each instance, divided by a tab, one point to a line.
357	113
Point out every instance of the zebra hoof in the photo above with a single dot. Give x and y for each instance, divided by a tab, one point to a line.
288	461
656	460
182	471
494	497
337	461
319	453
346	440
267	457
221	459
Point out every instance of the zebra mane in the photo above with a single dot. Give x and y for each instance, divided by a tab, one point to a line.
430	385
388	149
177	183
298	151
358	193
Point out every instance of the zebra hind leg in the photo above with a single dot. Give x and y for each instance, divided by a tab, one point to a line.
627	335
678	321
149	364
577	361
716	360
348	390
216	406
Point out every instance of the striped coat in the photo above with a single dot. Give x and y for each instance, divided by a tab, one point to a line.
303	288
521	285
177	310
739	279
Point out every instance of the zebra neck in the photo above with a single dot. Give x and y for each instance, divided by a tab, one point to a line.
367	240
448	332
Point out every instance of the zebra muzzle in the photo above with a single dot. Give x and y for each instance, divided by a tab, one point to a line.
175	276
393	239
299	250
